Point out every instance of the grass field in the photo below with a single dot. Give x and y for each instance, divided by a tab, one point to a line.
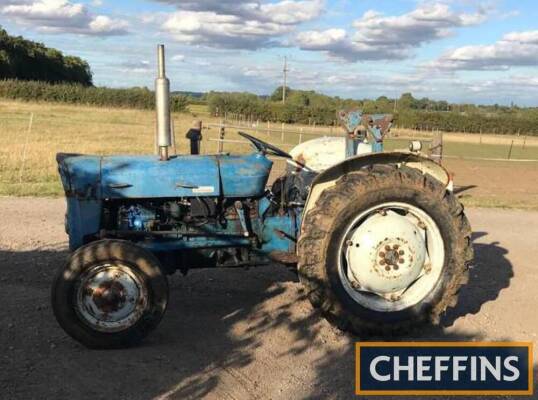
27	153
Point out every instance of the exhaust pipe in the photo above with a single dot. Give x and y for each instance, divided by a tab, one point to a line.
162	105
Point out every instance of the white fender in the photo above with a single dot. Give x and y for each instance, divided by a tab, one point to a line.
322	153
329	176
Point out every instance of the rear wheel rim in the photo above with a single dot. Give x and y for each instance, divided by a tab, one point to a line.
110	297
384	270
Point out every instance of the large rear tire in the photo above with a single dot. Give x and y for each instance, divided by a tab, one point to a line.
357	287
110	294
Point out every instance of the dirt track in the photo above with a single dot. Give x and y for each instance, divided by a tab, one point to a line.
230	334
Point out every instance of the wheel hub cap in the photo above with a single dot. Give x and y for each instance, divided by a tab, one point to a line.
386	253
111	298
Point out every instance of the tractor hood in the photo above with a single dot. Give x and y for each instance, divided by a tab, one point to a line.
135	176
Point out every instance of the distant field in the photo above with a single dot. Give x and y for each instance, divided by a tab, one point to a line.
28	166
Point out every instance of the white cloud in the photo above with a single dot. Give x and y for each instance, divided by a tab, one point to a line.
236	24
137	67
178	57
284	11
229	31
379	37
291	12
63	16
104	25
512	50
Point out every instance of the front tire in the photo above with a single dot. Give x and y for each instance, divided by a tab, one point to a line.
110	294
376	291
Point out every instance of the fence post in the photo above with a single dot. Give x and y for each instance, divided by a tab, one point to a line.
221	138
26	146
510	151
524	141
282	136
301	136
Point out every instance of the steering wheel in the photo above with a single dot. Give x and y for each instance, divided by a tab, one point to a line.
265	147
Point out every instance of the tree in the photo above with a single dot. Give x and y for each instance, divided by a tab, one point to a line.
27	60
407	101
277	94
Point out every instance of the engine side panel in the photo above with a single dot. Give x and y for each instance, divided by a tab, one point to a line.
147	177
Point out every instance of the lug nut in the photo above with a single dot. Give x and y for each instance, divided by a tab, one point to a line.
396	247
401	252
396	267
401	261
387	268
382	254
387	247
382	262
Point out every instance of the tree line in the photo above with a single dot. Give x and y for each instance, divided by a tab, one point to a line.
141	98
27	60
308	107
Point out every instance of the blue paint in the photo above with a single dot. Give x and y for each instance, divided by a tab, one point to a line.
194	243
244	175
80	175
350	120
377	136
83	219
147	177
272	240
182	176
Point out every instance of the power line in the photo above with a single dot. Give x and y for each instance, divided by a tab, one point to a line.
285	79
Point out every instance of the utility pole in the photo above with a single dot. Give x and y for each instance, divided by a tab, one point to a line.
285	80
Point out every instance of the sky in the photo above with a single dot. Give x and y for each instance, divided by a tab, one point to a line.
458	50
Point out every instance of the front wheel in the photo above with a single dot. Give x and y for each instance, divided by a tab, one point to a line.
110	294
384	250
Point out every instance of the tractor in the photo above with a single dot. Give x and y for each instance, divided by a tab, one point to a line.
380	243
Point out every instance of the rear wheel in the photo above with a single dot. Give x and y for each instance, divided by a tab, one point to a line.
385	250
111	293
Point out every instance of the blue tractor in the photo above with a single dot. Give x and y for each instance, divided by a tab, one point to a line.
380	243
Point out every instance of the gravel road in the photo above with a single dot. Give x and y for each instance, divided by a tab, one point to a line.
231	334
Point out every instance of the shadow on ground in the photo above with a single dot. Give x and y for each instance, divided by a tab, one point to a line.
227	334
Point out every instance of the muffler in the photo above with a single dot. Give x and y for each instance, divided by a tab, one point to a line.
162	106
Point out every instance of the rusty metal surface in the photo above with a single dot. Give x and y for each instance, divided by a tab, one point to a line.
355	120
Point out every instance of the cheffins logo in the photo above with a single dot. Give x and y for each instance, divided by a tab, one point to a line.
444	368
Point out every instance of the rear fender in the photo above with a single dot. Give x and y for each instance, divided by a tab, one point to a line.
328	178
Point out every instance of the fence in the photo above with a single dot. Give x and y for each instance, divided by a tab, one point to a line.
453	145
27	165
280	133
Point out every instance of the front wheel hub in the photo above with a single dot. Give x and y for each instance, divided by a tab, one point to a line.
110	298
387	254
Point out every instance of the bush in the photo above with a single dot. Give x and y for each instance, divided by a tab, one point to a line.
141	98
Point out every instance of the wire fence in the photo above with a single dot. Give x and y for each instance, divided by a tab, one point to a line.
30	141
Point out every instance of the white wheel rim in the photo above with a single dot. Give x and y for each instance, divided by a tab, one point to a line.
110	298
412	276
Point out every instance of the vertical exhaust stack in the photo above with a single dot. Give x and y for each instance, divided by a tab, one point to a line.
162	105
